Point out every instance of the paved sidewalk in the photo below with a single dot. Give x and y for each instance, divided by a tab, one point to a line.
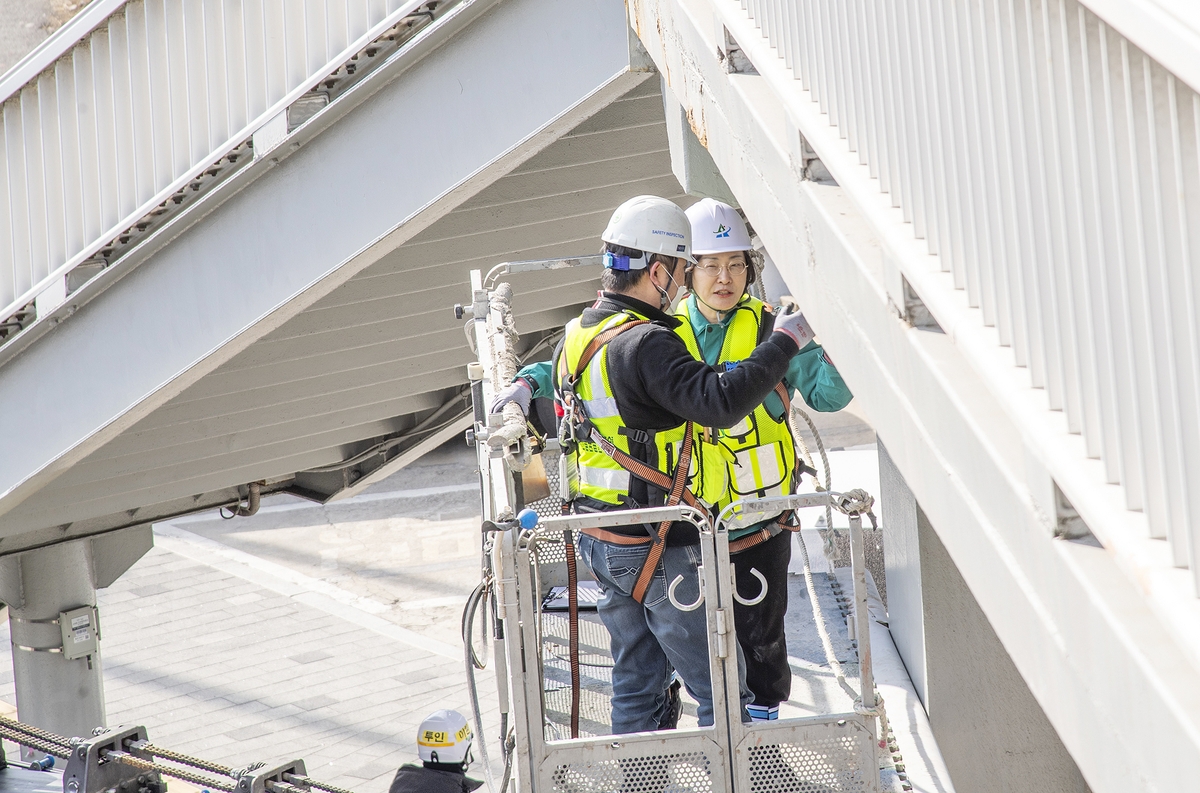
238	641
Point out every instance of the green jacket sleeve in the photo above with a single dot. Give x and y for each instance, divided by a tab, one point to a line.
540	376
817	380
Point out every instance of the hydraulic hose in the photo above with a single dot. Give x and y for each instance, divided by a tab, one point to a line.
509	746
472	663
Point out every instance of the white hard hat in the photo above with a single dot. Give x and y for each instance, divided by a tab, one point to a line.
717	228
651	224
444	737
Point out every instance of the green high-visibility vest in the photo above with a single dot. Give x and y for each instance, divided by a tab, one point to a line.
761	451
601	477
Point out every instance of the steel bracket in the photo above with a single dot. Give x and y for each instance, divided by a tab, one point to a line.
89	772
263	780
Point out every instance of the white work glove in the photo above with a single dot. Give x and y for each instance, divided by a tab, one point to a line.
795	325
519	394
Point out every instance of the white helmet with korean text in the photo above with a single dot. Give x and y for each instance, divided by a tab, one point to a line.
445	737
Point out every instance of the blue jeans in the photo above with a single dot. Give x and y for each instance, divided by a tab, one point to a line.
652	639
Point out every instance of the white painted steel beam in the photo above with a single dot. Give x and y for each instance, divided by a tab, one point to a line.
294	226
1105	638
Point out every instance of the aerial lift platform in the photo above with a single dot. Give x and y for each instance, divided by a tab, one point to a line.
556	702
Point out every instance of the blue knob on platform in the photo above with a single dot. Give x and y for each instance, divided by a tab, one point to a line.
527	518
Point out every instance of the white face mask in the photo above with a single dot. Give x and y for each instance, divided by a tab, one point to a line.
667	304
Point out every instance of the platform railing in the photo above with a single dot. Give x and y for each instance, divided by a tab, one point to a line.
135	108
1054	169
696	758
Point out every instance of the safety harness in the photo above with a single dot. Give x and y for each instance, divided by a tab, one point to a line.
675	486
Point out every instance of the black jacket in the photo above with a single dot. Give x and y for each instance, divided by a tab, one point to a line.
418	779
659	385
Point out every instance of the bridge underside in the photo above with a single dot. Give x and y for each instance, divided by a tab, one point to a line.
1101	628
371	368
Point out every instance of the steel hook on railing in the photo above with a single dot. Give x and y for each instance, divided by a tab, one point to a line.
762	579
699	598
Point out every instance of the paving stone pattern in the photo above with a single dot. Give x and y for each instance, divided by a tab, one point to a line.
226	669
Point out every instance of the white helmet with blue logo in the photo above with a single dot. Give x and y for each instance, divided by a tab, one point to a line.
717	228
650	224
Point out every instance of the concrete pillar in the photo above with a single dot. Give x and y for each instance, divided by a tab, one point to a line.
54	693
60	694
902	567
990	729
992	733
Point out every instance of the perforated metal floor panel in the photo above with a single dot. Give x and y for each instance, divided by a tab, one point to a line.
828	765
684	772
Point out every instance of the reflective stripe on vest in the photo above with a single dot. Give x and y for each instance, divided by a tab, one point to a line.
760	450
616	479
600	403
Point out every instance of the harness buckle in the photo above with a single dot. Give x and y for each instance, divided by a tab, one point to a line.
635	435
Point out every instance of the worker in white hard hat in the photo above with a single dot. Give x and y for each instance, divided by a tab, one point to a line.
444	746
634	398
721	324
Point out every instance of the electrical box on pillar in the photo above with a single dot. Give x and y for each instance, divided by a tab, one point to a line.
80	632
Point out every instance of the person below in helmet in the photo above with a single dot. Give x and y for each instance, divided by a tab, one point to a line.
722	323
444	746
640	388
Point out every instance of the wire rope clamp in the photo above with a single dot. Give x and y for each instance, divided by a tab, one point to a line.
271	779
89	772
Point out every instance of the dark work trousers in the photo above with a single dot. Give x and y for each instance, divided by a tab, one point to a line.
760	628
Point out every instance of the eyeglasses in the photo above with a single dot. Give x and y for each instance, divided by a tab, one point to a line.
712	269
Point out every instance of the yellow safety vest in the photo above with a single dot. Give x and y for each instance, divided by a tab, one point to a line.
600	477
761	449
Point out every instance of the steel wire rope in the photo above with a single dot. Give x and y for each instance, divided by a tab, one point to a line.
510	744
36	732
17	737
183	759
178	773
831	549
832	553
